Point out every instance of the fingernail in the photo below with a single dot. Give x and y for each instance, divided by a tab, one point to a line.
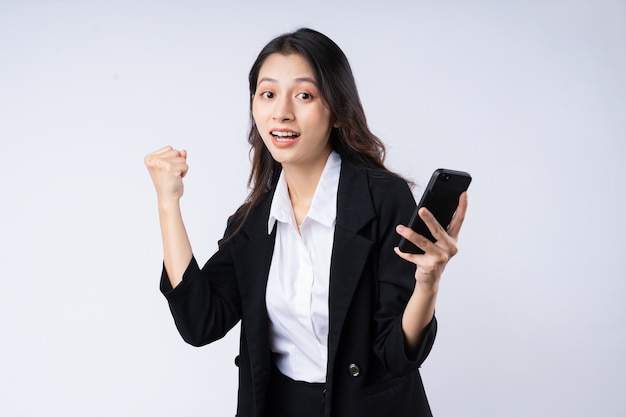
400	228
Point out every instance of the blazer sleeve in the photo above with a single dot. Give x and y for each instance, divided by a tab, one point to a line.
206	304
396	281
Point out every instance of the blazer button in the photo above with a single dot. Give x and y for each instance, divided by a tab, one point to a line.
237	361
354	369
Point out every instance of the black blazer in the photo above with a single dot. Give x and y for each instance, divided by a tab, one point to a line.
369	372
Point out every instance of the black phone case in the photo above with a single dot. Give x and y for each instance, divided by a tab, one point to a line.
441	198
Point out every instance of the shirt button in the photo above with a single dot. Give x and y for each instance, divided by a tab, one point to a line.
354	369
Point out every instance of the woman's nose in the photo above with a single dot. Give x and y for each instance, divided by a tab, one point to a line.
283	110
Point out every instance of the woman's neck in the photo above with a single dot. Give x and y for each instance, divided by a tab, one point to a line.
302	182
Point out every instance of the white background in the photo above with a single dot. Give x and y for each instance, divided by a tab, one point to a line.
528	96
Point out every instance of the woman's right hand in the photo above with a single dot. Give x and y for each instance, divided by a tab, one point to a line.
167	167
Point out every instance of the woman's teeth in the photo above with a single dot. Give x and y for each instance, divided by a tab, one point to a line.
285	136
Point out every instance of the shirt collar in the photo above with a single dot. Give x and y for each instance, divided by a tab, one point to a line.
324	204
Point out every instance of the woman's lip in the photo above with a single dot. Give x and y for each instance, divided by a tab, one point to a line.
284	142
281	141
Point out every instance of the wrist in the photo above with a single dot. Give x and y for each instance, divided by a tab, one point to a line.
426	288
168	205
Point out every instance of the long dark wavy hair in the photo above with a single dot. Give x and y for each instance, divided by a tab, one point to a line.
353	139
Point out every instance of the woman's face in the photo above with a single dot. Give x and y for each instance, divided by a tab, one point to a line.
289	112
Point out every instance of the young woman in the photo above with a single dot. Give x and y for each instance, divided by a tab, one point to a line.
335	320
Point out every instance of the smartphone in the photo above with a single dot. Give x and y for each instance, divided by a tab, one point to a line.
441	198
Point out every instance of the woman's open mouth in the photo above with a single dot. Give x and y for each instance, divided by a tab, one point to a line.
284	138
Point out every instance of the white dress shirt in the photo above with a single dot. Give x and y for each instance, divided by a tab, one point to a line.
298	281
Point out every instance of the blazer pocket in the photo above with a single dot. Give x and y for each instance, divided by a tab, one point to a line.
391	397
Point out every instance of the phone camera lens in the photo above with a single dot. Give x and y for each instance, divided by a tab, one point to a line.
445	177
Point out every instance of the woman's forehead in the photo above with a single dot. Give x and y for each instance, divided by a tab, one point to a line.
292	68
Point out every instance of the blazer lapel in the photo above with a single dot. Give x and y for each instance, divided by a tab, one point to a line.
350	249
252	253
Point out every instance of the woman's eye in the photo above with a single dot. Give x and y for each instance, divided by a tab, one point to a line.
304	96
267	94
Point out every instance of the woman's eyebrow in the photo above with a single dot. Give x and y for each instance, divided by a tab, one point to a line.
297	80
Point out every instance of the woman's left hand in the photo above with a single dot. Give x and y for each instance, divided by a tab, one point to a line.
432	262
